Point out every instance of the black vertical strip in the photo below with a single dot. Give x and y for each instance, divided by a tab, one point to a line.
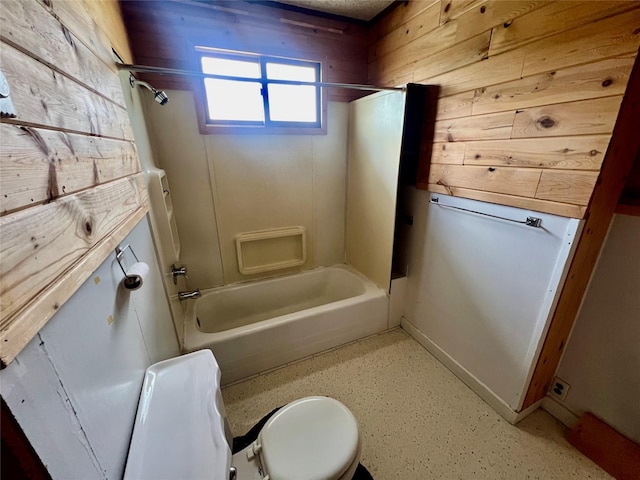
265	91
319	94
19	459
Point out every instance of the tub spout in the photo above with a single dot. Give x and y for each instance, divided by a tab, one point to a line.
189	295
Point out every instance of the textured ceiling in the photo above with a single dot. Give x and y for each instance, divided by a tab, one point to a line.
359	9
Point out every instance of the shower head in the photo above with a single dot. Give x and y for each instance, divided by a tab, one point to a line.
159	95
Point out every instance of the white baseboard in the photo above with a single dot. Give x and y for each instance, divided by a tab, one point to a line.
479	388
559	411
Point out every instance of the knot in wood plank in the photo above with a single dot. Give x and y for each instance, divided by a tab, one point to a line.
546	122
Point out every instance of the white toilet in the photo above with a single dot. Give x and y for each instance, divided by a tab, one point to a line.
181	432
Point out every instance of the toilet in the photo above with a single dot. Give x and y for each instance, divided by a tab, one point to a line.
181	431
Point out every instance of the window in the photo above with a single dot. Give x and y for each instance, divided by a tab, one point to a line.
259	91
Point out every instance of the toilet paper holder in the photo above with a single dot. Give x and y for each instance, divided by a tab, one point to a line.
131	282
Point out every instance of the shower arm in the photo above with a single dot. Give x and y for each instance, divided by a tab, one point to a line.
160	96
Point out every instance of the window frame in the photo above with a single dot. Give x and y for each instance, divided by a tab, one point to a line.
208	126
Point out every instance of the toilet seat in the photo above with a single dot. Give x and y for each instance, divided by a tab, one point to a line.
313	438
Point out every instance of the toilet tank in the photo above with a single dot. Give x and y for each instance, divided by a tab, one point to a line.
179	430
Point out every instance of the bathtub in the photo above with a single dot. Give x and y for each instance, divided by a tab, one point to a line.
259	325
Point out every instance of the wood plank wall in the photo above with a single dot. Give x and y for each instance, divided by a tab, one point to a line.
530	91
70	181
163	34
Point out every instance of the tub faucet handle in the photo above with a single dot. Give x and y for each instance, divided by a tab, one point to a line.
178	271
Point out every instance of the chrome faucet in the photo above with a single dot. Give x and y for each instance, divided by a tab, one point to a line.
178	271
189	295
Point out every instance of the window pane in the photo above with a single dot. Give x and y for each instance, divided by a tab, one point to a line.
291	103
228	100
233	68
282	71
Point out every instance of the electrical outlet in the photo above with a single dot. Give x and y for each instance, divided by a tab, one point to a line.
559	389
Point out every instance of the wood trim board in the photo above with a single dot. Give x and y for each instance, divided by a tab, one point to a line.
623	149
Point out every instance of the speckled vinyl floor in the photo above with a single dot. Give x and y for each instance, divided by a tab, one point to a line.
417	420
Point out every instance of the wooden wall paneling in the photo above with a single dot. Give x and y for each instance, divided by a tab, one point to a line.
482	127
552	18
401	14
212	33
623	149
555	208
39	244
428	20
413	53
108	16
514	181
32	317
575	118
43	98
605	38
76	19
30	28
472	23
562	81
46	164
593	80
493	70
155	46
493	13
467	52
452	9
451	153
464	53
394	79
265	12
248	38
454	106
566	186
616	36
339	45
571	153
188	15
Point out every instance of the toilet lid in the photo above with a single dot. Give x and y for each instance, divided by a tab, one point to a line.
314	438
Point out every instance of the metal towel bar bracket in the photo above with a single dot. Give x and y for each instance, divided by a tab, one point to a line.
535	222
120	253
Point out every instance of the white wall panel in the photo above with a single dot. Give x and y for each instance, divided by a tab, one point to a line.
38	400
482	289
261	182
375	139
329	186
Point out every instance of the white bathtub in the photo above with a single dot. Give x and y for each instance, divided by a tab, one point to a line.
259	325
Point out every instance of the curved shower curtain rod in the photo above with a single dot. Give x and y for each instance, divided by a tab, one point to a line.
189	73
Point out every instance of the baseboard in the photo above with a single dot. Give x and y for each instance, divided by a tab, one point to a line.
559	411
479	388
528	411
